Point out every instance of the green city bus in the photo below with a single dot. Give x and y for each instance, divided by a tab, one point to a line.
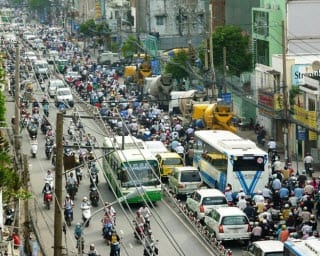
127	169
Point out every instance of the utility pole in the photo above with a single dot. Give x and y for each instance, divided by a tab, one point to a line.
58	188
213	76
25	178
17	108
285	94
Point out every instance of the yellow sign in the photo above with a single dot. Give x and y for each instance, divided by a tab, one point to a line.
278	102
98	10
313	135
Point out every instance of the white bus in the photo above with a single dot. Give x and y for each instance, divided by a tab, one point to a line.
224	158
299	247
127	169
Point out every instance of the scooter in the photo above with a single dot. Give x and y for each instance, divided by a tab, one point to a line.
151	249
86	214
34	148
48	151
309	169
48	199
78	175
94	196
68	216
115	249
139	231
107	231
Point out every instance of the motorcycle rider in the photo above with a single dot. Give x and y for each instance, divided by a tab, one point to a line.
140	223
108	209
92	251
114	243
94	170
94	196
46	189
49	177
86	211
68	205
308	160
78	234
145	212
71	180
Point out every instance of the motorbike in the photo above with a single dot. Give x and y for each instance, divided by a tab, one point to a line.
309	169
9	216
48	199
48	151
151	249
78	175
50	181
94	196
115	249
72	190
93	176
46	110
107	231
139	231
86	214
42	86
34	148
68	216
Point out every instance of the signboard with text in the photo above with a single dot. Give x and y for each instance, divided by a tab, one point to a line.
299	71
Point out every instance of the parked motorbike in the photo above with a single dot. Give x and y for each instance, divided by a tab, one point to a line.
68	216
34	148
9	212
48	199
94	196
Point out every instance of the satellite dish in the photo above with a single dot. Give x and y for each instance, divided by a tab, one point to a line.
315	65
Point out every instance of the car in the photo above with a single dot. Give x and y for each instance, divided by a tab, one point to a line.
53	85
167	161
41	68
265	248
52	55
228	223
72	76
64	95
30	56
202	201
184	180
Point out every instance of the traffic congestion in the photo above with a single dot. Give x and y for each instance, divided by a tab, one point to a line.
139	180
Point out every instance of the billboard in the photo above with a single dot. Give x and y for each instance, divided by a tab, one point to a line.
299	71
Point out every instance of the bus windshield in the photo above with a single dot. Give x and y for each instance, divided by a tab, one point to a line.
140	173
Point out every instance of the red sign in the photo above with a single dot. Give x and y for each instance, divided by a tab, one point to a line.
266	99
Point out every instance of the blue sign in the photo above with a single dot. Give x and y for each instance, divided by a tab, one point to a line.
155	67
76	26
226	98
299	71
301	132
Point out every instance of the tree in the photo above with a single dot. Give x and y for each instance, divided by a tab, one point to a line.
237	48
177	66
130	47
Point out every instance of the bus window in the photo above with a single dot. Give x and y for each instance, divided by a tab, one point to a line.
248	163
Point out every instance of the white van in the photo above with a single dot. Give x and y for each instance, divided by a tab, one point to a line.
108	58
64	95
53	85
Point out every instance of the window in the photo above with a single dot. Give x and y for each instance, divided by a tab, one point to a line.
192	176
214	200
160	20
234	220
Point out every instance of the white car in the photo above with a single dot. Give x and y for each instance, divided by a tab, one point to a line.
265	248
53	85
64	95
228	223
202	201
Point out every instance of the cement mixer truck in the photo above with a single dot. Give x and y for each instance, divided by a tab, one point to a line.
195	108
158	89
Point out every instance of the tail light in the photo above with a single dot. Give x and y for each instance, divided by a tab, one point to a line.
201	209
249	228
180	185
221	229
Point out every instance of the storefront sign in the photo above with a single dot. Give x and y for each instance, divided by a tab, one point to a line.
299	71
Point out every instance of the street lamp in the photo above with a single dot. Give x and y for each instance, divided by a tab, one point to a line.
139	191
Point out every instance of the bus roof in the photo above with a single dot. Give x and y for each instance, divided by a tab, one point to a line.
228	142
135	155
130	142
303	247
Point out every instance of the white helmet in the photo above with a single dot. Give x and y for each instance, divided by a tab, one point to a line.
85	199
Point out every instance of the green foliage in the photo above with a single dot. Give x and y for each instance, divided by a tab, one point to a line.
176	65
238	55
37	4
294	91
2	109
130	47
87	28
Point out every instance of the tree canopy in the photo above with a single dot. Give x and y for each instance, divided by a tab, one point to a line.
238	56
177	65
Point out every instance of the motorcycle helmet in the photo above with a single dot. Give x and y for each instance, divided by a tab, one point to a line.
85	199
67	196
91	246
